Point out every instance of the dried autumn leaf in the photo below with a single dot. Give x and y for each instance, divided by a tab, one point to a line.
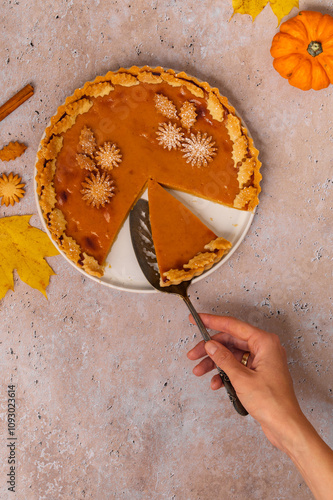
12	151
281	8
23	247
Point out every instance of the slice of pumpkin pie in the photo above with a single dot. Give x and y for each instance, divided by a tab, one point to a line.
185	247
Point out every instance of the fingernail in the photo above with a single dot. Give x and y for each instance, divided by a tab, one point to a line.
211	348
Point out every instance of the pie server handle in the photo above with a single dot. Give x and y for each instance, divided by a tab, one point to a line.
225	379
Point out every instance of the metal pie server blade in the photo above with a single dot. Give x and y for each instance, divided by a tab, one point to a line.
144	249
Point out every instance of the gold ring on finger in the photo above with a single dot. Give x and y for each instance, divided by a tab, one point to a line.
245	358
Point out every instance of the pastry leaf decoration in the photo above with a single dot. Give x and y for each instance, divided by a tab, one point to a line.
281	8
188	115
165	106
24	248
87	141
12	151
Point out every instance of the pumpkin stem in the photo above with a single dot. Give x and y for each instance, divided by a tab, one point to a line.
315	48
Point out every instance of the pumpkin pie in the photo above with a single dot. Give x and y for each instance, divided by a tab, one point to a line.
185	247
123	129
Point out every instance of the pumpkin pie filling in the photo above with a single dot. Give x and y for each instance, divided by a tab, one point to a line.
181	239
121	130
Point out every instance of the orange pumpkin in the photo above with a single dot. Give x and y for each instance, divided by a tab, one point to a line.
303	50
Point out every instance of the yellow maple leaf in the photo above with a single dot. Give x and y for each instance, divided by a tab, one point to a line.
23	247
281	8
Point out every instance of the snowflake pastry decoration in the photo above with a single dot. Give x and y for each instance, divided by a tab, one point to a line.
97	189
108	156
169	136
198	149
11	189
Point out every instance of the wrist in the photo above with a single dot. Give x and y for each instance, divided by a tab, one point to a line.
295	441
286	430
311	455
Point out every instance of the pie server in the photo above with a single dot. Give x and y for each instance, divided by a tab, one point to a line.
145	253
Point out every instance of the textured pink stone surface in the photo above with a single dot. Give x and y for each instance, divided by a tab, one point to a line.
107	406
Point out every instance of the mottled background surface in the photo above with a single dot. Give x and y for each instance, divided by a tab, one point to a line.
107	404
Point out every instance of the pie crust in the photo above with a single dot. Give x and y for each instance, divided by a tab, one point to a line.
115	133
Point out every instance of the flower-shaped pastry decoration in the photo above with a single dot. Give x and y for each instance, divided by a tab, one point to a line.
108	156
97	189
198	149
11	189
169	136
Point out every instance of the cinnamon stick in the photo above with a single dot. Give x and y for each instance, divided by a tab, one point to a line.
16	101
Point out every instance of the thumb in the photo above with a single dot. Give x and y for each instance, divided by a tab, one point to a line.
223	358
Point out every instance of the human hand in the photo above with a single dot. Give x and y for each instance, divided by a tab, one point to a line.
264	386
